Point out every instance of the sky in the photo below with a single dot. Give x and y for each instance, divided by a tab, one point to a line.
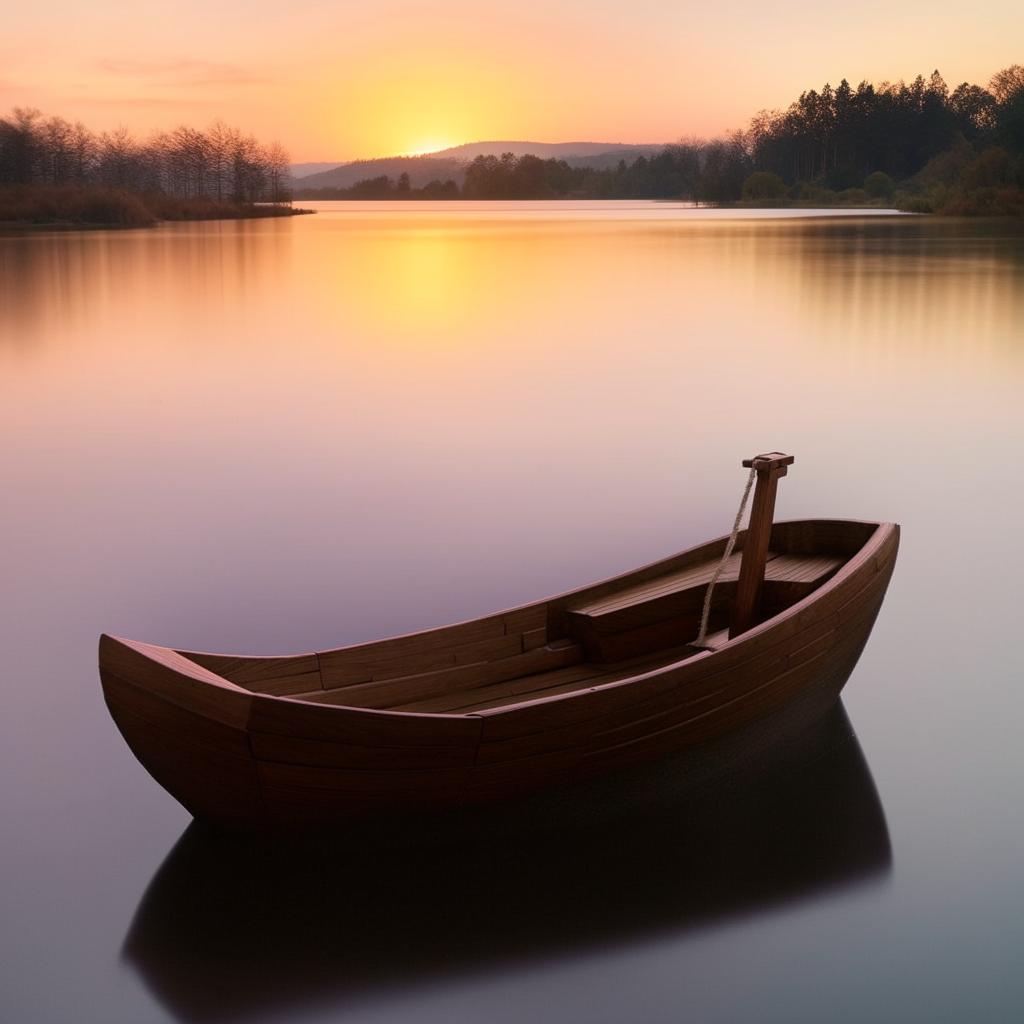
340	80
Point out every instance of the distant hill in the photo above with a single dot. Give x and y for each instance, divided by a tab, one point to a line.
421	169
450	163
302	170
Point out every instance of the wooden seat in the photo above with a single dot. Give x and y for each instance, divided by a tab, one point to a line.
698	576
661	611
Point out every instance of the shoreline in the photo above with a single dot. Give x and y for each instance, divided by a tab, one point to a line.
84	207
738	206
29	226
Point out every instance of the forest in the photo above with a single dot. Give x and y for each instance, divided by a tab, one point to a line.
918	146
923	146
53	171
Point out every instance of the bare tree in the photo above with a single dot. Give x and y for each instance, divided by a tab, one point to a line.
218	164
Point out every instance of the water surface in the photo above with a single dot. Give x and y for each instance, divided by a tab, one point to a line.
278	436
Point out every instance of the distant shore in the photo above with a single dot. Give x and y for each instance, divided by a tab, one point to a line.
991	203
739	204
760	191
77	207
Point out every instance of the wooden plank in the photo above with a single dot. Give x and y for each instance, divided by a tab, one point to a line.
335	672
813	536
173	719
579	720
770	693
614	647
602	699
671	604
534	638
411	664
459	700
290	674
385	664
335	663
524	690
494	636
558	607
689	706
331	754
541	683
521	620
489	650
287	716
812	647
176	679
695	576
392	693
802	568
685	702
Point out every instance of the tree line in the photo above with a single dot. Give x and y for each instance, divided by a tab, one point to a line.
220	164
918	145
701	170
838	137
385	187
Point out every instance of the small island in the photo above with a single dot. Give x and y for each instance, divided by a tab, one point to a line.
57	174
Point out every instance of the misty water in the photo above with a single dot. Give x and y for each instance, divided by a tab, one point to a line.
285	435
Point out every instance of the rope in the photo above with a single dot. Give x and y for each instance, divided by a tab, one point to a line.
706	613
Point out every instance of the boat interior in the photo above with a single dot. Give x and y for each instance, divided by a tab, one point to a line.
603	633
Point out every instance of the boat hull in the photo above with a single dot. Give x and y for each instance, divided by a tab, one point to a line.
244	758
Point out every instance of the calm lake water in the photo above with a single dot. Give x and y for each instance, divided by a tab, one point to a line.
286	435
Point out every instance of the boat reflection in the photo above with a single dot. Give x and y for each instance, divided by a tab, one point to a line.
237	926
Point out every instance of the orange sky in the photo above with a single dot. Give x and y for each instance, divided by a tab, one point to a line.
340	80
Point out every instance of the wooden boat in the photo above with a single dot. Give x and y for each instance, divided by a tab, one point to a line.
566	688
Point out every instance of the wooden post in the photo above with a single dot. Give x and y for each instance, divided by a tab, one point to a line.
747	605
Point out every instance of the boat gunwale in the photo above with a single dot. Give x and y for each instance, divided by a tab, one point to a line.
881	533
